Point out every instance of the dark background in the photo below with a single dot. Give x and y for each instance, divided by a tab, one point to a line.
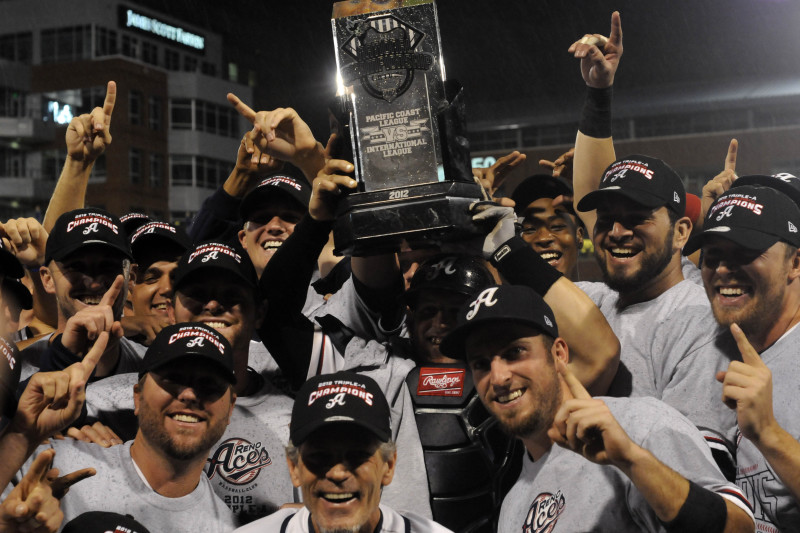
511	54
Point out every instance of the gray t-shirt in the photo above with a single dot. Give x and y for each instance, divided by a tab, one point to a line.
247	468
119	488
297	521
130	356
563	488
775	508
671	349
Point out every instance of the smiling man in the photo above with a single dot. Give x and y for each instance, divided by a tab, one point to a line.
341	456
270	213
85	252
751	272
183	400
604	472
553	231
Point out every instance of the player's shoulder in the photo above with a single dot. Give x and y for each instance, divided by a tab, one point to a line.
642	416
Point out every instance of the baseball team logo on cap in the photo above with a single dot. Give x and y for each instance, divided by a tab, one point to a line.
751	216
501	304
92	221
151	227
196	337
84	227
645	180
336	398
278	180
193	339
211	251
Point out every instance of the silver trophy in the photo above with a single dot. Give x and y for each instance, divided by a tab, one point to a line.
404	130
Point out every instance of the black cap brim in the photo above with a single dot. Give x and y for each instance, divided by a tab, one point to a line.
592	200
747	238
302	434
10	265
454	345
771	182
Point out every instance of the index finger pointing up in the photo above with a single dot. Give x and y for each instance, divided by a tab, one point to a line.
111	99
749	354
575	386
615	37
242	108
730	159
113	291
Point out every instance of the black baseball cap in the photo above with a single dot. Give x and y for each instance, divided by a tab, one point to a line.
501	304
539	186
461	274
214	255
189	339
84	227
133	221
752	217
9	264
154	237
343	397
788	184
10	368
103	522
645	180
19	291
296	190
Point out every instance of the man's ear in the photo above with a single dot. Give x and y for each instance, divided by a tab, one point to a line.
135	276
794	265
137	391
294	472
683	229
579	236
47	280
388	475
560	350
242	240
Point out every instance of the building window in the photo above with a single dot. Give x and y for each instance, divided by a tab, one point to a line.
130	46
189	64
11	102
135	165
156	170
52	163
17	47
99	173
154	118
105	42
149	53
181	114
66	44
135	108
209	69
172	59
233	72
181	170
92	97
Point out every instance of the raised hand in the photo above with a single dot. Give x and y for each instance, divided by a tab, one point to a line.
282	134
492	178
720	183
326	188
85	326
88	135
33	505
587	427
747	388
562	166
53	400
598	67
27	238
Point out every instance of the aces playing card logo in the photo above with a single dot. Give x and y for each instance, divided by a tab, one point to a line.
544	513
238	461
385	57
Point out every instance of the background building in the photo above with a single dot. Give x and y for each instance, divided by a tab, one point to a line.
174	134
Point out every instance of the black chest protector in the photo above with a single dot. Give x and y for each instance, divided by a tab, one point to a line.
471	463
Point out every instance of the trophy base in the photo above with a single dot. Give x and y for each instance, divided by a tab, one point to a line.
377	222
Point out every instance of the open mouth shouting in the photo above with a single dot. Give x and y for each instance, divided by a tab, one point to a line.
271	245
732	294
551	256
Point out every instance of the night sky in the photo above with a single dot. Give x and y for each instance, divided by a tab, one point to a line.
511	54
